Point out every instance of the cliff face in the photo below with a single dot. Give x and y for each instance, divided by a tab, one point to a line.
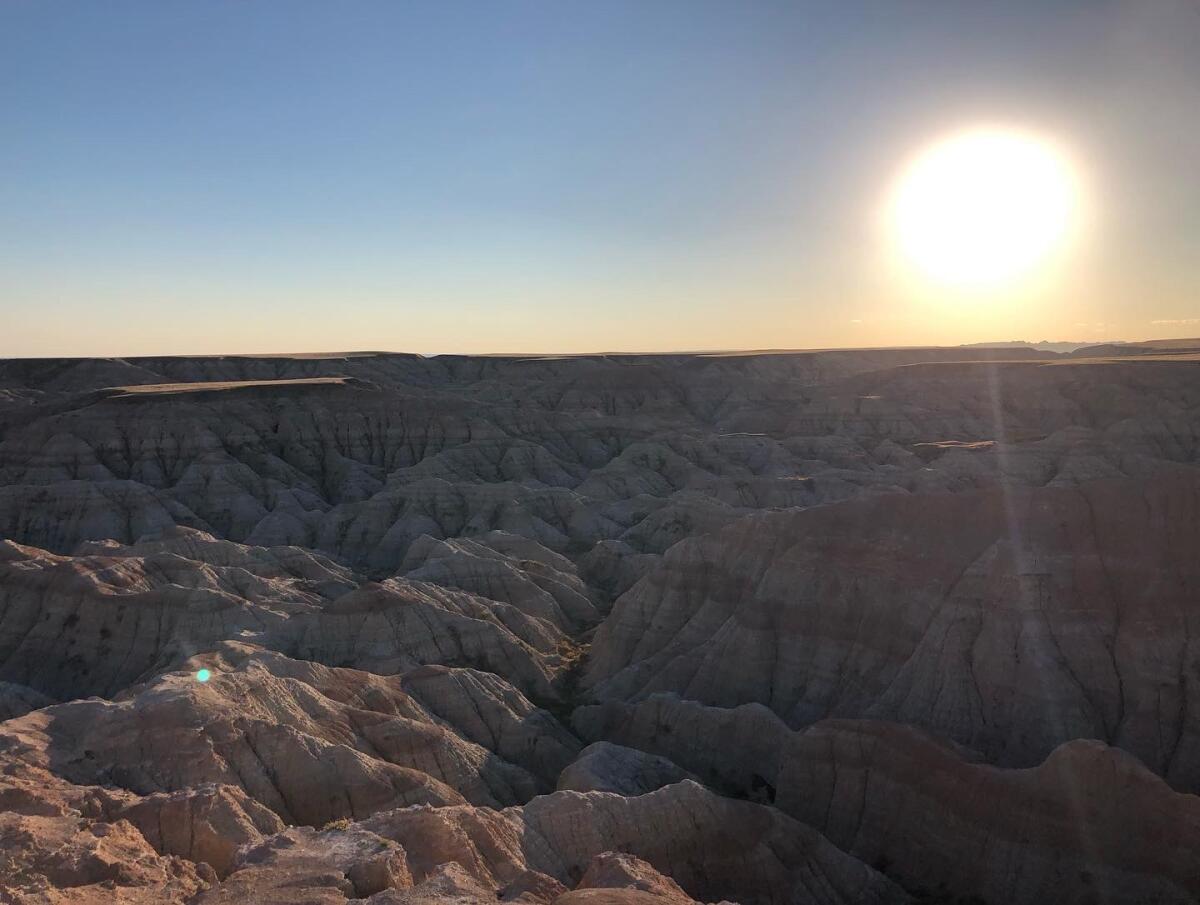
934	815
1010	620
830	627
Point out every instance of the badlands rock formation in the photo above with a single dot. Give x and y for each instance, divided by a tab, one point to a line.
1009	620
605	767
822	627
931	813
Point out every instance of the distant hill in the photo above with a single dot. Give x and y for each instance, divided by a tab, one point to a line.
1149	347
1045	345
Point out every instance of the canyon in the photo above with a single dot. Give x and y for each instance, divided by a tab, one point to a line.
844	626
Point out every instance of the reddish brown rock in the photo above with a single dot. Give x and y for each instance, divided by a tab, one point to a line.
205	823
310	743
615	878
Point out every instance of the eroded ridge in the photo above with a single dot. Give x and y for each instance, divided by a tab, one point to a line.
822	627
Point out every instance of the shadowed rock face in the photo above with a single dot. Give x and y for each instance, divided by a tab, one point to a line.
604	767
828	627
1009	620
566	452
932	814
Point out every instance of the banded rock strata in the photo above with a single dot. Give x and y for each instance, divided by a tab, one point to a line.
825	627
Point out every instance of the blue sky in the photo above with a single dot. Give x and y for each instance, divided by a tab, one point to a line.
558	176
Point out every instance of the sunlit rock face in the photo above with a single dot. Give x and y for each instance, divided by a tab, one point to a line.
830	627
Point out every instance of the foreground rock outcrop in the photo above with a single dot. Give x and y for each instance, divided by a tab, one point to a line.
311	744
59	836
708	844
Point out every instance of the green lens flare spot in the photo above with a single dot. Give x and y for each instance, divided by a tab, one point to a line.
203	675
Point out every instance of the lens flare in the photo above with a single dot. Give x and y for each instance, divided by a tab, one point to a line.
203	675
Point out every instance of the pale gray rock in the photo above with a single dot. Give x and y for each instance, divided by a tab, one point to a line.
614	566
18	700
605	767
116	615
552	593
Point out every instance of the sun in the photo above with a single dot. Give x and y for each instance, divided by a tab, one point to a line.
984	208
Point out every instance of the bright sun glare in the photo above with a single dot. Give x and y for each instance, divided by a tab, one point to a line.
984	208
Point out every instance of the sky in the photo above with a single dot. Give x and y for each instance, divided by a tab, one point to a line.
201	176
